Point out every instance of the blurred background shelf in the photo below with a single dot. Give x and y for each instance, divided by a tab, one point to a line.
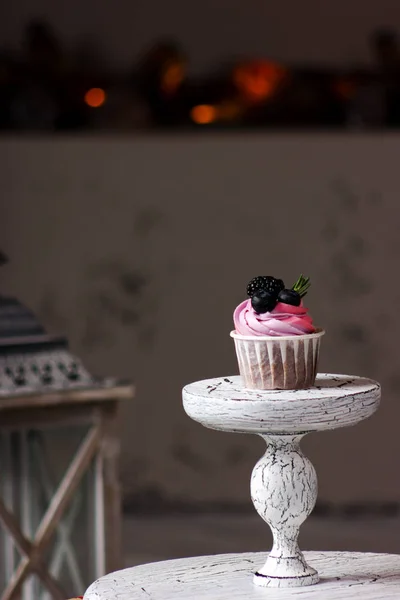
153	538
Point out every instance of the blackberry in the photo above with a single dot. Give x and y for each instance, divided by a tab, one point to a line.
289	297
262	301
267	283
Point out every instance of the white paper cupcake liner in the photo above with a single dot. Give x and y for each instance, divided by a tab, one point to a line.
278	363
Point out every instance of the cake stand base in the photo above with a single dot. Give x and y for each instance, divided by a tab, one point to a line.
291	571
285	582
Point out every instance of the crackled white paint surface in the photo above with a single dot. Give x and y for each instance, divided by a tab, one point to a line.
283	483
284	490
335	401
344	576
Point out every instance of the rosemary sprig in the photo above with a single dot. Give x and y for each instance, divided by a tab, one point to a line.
302	285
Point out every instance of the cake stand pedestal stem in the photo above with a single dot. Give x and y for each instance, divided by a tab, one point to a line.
284	491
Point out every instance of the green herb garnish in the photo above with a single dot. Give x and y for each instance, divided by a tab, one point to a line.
302	285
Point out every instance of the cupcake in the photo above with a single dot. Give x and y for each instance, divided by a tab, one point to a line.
277	344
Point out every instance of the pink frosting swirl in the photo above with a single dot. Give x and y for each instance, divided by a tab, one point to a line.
284	319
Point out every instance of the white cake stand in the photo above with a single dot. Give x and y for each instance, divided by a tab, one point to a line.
283	482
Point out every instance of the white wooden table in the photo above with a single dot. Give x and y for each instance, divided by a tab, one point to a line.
343	575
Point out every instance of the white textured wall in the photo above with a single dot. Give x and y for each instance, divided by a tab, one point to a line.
211	31
196	218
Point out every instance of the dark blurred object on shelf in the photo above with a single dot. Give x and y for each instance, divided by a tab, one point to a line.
47	87
41	85
161	81
385	46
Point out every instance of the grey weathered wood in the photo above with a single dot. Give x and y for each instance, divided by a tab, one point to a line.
27	549
109	458
113	391
98	409
49	417
344	576
283	483
53	514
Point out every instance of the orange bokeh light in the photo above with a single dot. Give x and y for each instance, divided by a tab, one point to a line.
95	97
203	114
258	80
172	77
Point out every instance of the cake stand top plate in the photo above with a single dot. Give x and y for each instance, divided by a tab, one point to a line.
335	401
